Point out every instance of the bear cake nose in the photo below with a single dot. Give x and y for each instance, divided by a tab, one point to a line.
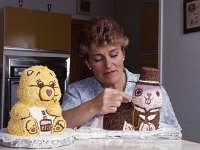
49	92
149	94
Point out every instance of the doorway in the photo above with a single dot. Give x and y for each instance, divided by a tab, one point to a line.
78	69
148	45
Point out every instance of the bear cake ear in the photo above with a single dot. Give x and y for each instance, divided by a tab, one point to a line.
30	72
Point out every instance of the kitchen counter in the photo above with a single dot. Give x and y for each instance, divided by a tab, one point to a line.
164	138
122	144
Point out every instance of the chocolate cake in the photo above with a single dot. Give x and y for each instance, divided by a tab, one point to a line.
115	121
147	101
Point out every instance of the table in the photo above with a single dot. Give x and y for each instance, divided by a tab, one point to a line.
125	144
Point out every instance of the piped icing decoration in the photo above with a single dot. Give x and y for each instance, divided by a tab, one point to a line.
29	72
38	110
149	76
45	124
147	101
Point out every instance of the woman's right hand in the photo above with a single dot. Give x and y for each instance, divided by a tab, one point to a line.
109	100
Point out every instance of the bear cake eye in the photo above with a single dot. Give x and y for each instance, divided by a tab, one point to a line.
138	92
51	84
157	93
40	84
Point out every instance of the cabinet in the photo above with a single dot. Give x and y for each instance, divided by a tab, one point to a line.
78	69
20	28
55	31
33	29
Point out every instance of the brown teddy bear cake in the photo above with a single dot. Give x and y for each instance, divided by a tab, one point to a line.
38	110
115	121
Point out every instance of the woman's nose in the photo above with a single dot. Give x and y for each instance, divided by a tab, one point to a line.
108	63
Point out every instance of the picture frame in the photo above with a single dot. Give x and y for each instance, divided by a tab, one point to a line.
83	7
191	15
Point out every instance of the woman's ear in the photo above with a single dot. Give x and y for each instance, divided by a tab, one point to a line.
87	64
123	51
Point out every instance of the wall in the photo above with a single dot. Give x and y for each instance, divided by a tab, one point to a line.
65	6
126	12
180	68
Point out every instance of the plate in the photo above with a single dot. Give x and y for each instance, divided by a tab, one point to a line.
165	132
39	141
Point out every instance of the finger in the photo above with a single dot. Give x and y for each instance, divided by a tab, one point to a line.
125	96
118	99
112	109
125	101
115	103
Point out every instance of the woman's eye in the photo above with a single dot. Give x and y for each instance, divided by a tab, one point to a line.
98	58
113	54
138	92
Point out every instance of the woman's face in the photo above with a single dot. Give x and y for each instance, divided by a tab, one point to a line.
107	64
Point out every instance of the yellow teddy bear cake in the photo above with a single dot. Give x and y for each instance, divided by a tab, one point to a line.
38	110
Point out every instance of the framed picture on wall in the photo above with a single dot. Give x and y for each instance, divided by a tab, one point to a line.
191	13
83	7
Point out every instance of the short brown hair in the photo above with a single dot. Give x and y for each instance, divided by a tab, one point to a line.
101	31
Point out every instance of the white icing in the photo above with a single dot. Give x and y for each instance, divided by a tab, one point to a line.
151	117
142	116
147	127
154	110
36	113
146	81
140	109
127	127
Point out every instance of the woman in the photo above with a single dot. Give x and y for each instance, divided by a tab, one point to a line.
102	46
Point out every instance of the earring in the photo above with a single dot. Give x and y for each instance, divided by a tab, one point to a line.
90	68
123	59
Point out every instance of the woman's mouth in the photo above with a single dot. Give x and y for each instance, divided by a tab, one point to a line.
109	72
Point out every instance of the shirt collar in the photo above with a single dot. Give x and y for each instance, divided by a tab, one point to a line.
130	76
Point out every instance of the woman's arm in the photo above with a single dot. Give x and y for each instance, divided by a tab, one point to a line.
106	102
79	115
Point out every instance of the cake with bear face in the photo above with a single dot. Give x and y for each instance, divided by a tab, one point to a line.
38	109
147	101
143	113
